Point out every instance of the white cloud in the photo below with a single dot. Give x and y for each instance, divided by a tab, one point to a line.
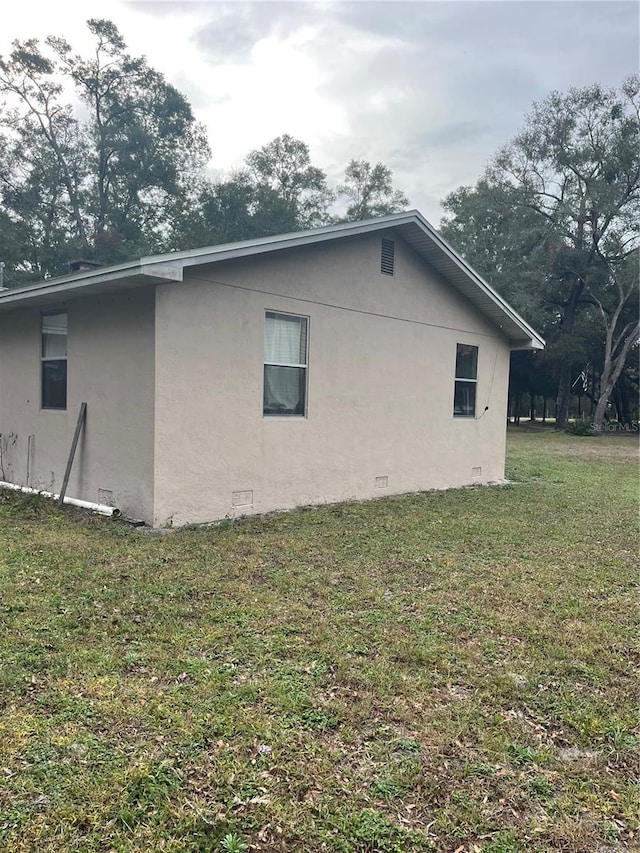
275	93
431	89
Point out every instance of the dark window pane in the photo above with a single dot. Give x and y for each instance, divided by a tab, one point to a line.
464	400
466	362
284	390
54	384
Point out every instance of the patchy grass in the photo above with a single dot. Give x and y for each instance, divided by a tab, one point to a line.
437	672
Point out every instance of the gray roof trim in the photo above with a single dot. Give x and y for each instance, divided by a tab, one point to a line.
94	281
410	225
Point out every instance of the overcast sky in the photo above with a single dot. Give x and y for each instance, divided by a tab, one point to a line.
431	89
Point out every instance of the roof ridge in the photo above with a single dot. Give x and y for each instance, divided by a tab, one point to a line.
411	224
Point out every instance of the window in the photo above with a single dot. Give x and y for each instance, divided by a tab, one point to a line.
53	359
285	364
464	398
387	256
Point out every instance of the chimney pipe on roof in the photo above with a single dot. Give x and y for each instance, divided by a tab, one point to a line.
82	265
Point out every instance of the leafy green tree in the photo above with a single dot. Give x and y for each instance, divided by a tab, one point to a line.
104	182
369	191
234	209
562	212
283	167
278	192
508	246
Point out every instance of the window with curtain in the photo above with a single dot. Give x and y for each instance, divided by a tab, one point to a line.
53	361
285	364
464	398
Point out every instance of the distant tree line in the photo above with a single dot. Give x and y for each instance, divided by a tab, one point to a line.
101	158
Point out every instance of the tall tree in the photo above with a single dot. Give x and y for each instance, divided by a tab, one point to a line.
369	191
104	182
235	208
279	191
565	196
283	167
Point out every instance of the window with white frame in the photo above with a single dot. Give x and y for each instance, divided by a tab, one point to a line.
466	382
53	361
285	364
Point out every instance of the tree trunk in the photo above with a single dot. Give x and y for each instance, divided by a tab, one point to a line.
566	328
532	407
615	357
601	408
625	407
544	410
615	396
564	396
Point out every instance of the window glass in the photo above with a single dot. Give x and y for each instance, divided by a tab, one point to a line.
285	339
285	364
54	384
466	381
54	336
466	362
284	390
53	359
464	402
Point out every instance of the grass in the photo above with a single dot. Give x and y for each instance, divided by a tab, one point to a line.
437	672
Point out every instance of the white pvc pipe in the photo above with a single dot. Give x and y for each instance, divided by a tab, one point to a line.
103	509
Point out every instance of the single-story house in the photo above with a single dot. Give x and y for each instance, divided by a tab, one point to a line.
345	362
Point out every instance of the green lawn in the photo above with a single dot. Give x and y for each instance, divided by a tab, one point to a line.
444	671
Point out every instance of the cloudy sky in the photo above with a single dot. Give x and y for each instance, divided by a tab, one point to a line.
431	89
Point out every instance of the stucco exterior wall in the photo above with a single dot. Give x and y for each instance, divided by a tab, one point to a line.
110	350
382	354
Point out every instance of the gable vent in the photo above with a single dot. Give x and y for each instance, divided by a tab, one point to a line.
387	256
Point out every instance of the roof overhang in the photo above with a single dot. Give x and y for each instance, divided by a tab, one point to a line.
53	291
410	226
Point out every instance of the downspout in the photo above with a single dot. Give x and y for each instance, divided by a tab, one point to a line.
103	509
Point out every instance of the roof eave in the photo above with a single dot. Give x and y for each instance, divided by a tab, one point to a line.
534	343
95	281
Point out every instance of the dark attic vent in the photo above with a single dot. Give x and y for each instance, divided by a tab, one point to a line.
387	256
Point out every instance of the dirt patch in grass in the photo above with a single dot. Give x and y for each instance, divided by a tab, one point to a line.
438	672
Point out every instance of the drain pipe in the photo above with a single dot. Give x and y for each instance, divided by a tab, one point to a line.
103	509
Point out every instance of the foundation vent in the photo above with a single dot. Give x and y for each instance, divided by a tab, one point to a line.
382	482
105	496
242	498
476	472
387	256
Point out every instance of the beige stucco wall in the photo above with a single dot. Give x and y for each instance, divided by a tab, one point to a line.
110	350
380	384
